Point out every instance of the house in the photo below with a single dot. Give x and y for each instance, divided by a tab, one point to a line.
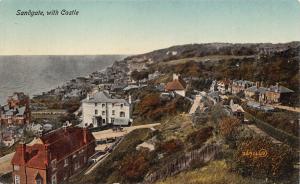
177	85
99	109
240	86
54	157
224	86
257	92
16	111
237	111
278	94
154	75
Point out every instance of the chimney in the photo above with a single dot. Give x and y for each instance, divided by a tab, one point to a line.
85	135
175	76
257	84
129	99
23	150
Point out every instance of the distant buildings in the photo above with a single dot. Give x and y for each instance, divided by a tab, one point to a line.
254	90
240	86
177	85
99	109
16	111
54	157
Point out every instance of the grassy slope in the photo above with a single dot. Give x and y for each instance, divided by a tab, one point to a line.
217	172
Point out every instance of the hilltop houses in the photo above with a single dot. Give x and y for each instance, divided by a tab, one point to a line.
16	111
54	157
253	90
100	109
177	85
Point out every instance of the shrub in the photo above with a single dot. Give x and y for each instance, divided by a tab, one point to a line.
260	157
197	138
134	166
170	147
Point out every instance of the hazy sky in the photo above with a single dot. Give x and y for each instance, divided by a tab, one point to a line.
138	26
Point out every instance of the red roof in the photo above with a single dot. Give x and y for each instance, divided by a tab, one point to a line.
59	144
175	85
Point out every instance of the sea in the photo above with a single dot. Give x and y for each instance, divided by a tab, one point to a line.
36	74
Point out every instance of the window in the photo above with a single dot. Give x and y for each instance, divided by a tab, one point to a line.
53	179
38	181
113	112
84	159
16	167
122	114
53	164
17	179
122	105
77	165
112	120
66	162
103	112
103	105
96	111
96	104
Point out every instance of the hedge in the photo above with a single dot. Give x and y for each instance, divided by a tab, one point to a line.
275	132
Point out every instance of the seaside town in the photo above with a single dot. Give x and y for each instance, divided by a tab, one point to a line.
161	117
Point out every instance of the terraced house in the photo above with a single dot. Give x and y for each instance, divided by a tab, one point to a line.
54	157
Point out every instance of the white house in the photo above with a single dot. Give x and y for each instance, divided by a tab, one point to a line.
177	85
99	109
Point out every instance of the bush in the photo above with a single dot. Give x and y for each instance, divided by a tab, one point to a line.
170	147
229	130
134	166
197	138
260	157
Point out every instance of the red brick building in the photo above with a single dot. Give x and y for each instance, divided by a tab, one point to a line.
54	157
16	111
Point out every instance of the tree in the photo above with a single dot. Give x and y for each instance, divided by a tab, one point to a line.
228	129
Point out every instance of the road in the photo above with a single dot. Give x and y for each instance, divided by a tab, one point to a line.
106	134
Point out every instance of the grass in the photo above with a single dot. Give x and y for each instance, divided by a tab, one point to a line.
176	127
201	59
217	172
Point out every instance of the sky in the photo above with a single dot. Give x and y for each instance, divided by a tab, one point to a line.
139	26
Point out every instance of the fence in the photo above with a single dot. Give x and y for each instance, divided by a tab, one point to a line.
201	155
